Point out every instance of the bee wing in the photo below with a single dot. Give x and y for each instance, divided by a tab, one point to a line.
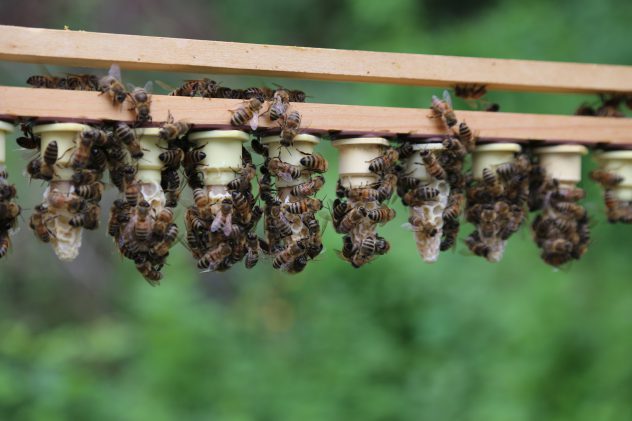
254	121
165	86
217	224
115	71
130	87
149	86
447	98
286	176
228	226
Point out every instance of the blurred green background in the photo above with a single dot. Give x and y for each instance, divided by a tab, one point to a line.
462	339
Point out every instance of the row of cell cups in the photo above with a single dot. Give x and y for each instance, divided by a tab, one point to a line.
223	151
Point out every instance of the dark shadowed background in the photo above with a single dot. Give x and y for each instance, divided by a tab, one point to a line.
462	339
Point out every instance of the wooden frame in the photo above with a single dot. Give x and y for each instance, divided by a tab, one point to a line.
59	104
88	49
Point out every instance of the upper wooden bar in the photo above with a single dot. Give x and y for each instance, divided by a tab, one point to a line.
59	104
90	49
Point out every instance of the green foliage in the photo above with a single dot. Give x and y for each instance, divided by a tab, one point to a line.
462	339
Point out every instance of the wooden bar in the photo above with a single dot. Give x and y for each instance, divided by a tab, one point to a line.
58	104
90	49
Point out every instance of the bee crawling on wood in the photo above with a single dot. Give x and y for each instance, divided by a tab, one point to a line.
248	113
112	85
141	102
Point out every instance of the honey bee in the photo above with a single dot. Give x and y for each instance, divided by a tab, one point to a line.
111	84
420	195
365	252
9	211
569	195
162	222
470	91
214	258
38	224
141	102
558	246
51	153
491	181
171	158
82	153
365	194
82	82
455	204
307	204
442	108
381	215
7	191
315	163
577	211
5	244
383	163
386	187
297	96
242	206
280	104
487	227
252	256
351	219
279	222
340	209
341	191
243	182
308	188
151	275
290	127
477	247
422	225
247	114
405	150
290	253
605	178
287	172
127	136
467	137
89	219
450	232
119	215
49	82
432	165
142	223
132	191
223	219
91	191
172	129
455	146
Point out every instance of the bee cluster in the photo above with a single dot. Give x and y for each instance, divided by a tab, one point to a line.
70	202
142	222
449	165
357	211
292	231
617	210
497	206
426	199
222	222
561	228
9	211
